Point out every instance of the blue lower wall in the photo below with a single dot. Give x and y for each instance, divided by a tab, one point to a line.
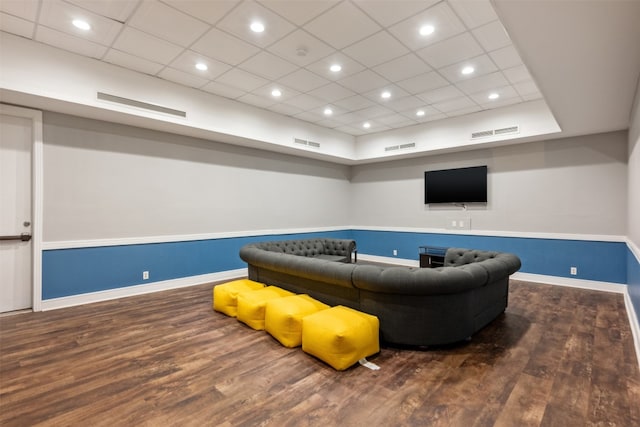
67	272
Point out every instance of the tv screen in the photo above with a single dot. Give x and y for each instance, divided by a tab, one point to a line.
461	185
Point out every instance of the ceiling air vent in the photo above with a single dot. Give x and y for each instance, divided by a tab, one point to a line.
139	104
493	132
307	143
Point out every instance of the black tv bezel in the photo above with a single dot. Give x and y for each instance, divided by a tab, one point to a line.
457	201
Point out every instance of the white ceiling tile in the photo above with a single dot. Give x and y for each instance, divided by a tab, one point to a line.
237	22
25	9
180	77
423	83
517	74
402	68
331	92
255	100
118	10
354	103
167	23
297	11
286	109
406	103
187	60
224	47
482	64
395	120
428	112
329	123
498	103
349	118
376	127
218	88
308	116
303	80
58	15
474	12
363	81
532	96
268	65
487	82
69	42
132	62
441	16
242	80
349	66
300	48
146	46
450	51
355	131
506	57
505	92
208	11
336	111
14	25
526	87
376	49
342	26
464	111
492	36
454	104
305	102
389	12
441	94
375	111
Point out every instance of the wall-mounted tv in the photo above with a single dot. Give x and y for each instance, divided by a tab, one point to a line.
461	185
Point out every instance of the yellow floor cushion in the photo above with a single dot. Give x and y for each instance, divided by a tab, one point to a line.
251	305
225	295
340	336
283	317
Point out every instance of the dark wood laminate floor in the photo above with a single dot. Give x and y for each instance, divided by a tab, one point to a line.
557	357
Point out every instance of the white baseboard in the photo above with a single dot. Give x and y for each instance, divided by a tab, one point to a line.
593	285
73	300
633	322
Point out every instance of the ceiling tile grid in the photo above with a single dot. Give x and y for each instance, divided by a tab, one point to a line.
414	50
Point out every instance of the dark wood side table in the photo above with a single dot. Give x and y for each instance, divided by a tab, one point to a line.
432	256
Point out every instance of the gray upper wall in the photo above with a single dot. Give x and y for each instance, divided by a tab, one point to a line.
104	180
633	229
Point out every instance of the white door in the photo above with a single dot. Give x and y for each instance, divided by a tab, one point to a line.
16	287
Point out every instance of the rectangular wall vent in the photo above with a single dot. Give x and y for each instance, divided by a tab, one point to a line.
392	148
139	104
405	146
306	143
502	131
400	147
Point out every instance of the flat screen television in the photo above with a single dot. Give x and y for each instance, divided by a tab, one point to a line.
456	186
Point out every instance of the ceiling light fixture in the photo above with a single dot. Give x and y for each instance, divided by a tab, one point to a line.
335	68
494	96
468	70
425	30
276	93
81	24
257	27
366	125
420	113
385	95
202	66
328	111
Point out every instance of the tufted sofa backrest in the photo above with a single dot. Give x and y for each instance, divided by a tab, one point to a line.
459	256
310	247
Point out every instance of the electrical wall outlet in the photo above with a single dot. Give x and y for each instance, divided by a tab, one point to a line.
145	275
395	252
574	271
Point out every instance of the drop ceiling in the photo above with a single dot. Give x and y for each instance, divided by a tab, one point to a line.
377	44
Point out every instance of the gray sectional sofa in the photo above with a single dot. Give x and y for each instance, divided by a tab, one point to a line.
416	306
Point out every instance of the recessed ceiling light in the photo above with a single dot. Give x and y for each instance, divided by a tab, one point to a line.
276	93
420	113
386	94
366	125
257	27
335	68
494	95
468	70
202	66
425	30
328	111
82	24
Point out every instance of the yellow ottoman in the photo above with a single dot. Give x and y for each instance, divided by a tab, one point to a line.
340	336
283	317
225	295
251	305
